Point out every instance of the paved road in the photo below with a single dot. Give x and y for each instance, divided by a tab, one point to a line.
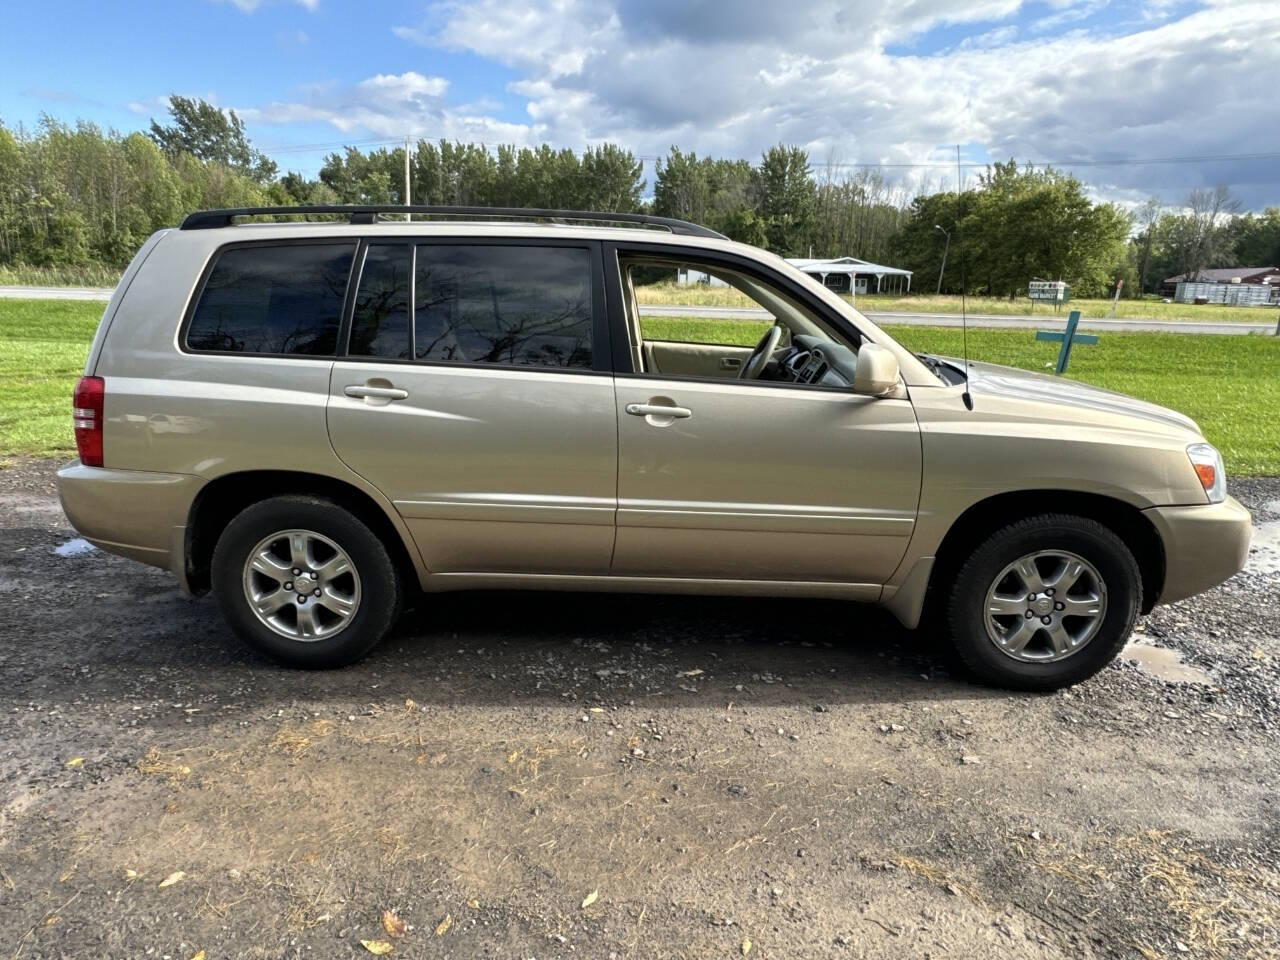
56	293
991	321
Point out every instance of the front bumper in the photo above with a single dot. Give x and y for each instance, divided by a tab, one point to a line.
135	513
1203	545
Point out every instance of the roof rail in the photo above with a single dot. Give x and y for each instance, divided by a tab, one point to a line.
207	219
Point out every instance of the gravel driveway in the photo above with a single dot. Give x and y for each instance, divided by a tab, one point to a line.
580	775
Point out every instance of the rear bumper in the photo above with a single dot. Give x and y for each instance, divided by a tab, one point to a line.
135	513
1203	545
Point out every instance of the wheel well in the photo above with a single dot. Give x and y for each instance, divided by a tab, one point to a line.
1127	522
221	499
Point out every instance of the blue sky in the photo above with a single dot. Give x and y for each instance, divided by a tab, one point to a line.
858	81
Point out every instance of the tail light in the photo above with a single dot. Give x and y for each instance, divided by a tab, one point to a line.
86	411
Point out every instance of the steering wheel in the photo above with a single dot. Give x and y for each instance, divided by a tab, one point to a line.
763	351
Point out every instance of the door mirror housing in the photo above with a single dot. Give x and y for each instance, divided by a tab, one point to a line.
877	371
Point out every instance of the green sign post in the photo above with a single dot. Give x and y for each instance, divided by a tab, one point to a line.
1066	338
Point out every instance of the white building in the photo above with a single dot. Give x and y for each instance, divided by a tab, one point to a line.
849	274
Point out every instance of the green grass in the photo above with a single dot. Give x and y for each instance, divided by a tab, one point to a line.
1229	385
671	294
43	344
88	275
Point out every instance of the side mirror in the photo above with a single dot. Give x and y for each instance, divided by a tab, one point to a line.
877	372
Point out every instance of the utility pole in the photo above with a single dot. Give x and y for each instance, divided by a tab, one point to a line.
945	248
407	200
959	175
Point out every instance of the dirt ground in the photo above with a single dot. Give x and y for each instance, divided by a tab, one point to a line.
547	776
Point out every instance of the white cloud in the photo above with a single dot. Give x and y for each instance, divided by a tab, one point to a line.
248	6
389	105
661	72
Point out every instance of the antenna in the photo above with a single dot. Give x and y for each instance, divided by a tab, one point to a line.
964	284
964	329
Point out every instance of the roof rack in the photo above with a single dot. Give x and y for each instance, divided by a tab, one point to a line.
208	219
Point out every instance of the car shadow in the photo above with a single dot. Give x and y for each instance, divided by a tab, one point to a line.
137	639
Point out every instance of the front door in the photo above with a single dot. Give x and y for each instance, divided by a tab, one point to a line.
721	478
749	482
470	397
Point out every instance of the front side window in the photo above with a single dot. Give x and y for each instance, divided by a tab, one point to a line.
511	305
285	299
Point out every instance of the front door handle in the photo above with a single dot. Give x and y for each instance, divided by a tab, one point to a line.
658	410
365	391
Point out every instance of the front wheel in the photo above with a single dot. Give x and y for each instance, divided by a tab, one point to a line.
305	582
1044	603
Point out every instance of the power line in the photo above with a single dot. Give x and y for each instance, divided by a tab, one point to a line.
868	165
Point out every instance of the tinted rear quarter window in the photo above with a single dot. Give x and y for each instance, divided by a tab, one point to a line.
510	305
283	299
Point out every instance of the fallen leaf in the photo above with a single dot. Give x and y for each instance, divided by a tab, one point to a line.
590	898
443	926
597	709
473	903
198	955
379	948
409	705
690	673
513	756
393	924
746	947
171	879
51	920
76	762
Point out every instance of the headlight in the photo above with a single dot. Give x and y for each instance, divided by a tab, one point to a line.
1208	464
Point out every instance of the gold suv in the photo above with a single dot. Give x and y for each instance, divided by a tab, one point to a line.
313	418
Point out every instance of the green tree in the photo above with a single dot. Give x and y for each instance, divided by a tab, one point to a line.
786	199
1257	239
211	134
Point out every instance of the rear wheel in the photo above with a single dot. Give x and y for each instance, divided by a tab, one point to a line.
305	582
1044	603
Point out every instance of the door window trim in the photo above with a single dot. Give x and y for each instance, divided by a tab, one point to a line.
601	348
622	366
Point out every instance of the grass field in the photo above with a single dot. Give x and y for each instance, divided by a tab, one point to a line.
670	294
85	276
43	344
1230	385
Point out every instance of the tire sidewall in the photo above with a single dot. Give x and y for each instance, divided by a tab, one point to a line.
380	593
1085	538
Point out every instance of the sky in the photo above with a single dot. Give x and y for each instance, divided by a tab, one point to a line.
1137	97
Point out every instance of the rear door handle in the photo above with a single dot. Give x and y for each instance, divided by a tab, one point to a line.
658	410
361	390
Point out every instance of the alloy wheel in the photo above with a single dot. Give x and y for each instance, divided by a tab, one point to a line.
301	585
1045	606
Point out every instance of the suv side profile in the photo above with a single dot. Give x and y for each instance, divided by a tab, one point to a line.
312	419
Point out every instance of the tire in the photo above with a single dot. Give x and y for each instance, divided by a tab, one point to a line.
1107	593
329	621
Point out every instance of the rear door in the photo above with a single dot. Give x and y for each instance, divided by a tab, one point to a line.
476	395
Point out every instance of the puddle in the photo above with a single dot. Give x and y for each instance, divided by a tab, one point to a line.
1264	551
74	548
1164	664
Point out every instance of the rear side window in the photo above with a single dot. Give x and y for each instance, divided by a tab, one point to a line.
284	300
510	305
380	321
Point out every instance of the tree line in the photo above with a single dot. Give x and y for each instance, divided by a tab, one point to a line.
77	194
